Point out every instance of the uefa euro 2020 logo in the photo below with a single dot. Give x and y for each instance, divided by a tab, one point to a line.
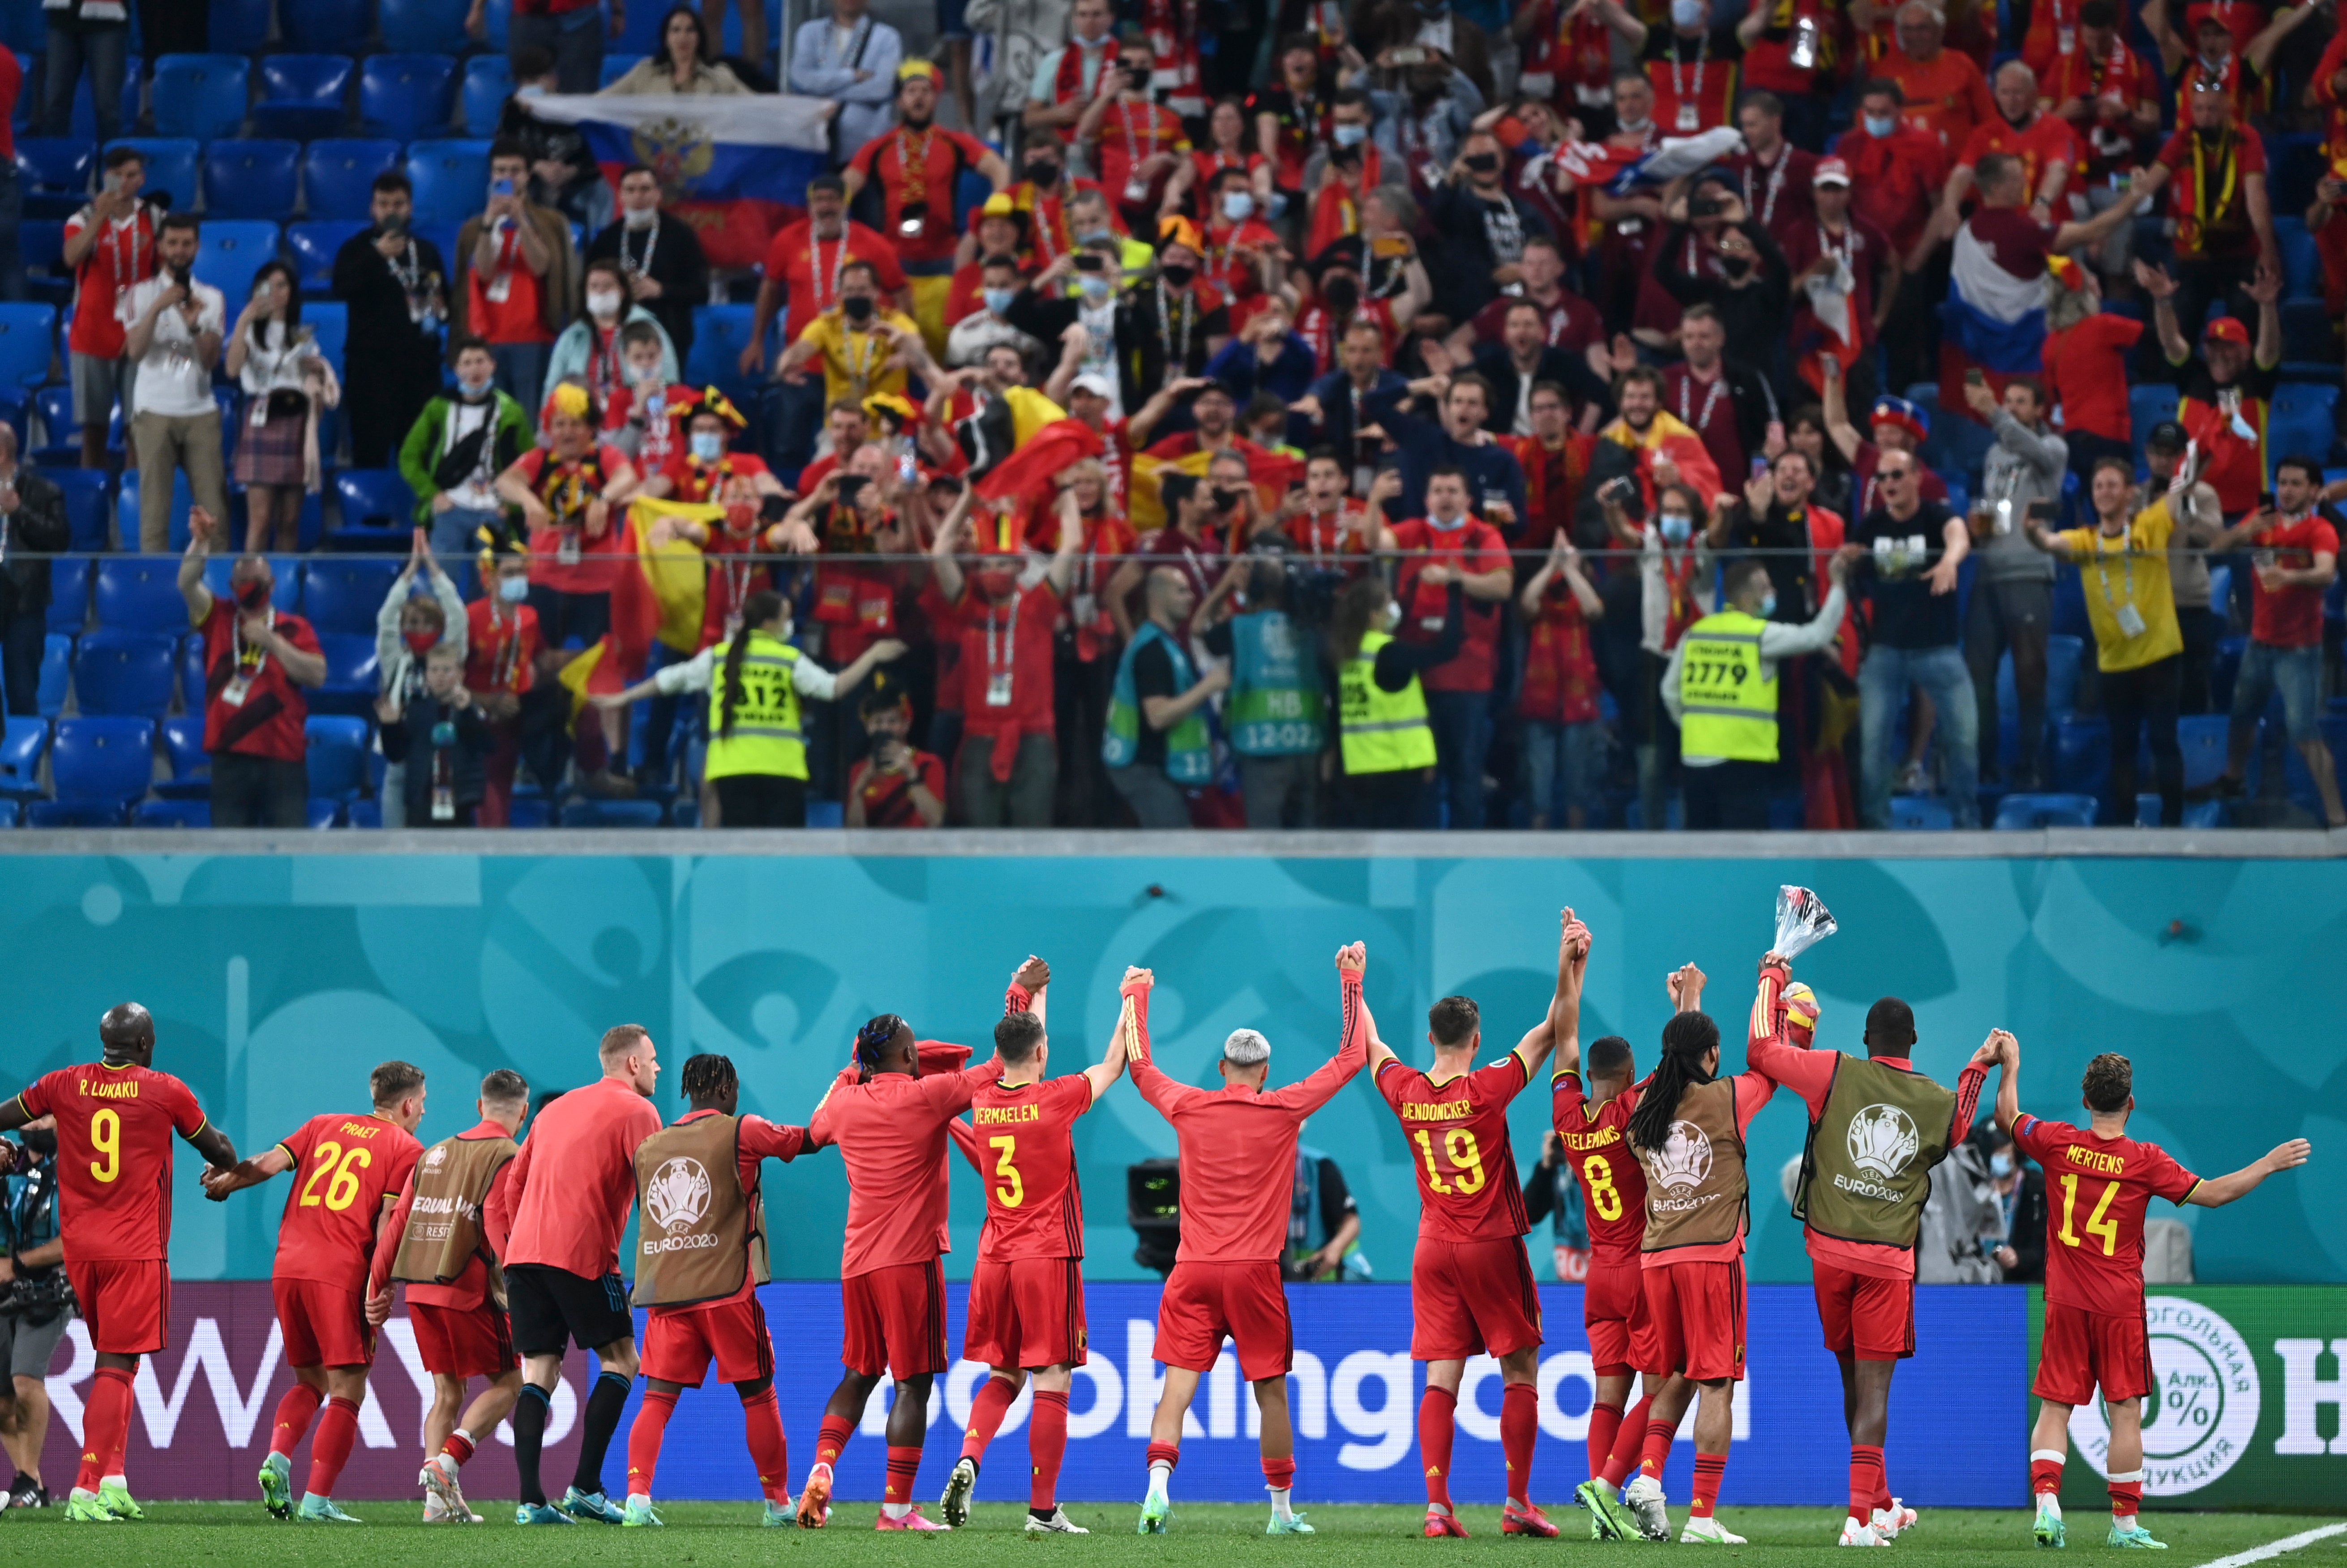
2203	1410
678	1194
1684	1158
1882	1140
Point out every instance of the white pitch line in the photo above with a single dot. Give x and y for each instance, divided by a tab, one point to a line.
2276	1548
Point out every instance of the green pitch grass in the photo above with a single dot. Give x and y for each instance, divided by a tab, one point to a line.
1203	1535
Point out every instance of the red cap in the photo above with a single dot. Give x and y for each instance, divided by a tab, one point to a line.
2204	11
2225	329
1830	172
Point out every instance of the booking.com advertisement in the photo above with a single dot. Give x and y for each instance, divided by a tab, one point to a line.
1958	1413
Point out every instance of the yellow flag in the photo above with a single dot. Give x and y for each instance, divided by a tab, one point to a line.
673	568
1145	506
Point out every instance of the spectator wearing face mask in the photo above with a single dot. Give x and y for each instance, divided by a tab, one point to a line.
666	269
990	327
895	785
591	349
1267	355
439	739
459	444
1135	144
517	274
1673	556
2019	1247
258	663
406	630
502	642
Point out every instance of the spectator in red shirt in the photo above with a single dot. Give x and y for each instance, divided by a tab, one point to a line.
1447	543
2297	542
1564	745
896	784
1816	251
2111	100
1135	143
804	264
257	660
2086	359
110	246
567	492
2215	172
1946	94
516	273
1777	177
1896	172
501	645
917	167
1009	762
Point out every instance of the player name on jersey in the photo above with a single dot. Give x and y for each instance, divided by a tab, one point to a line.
1003	1115
1437	1110
120	1088
2095	1160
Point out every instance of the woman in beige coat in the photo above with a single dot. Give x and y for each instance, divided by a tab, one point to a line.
682	64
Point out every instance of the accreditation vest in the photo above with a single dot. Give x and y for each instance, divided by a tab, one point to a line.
698	1232
444	1224
1868	1167
766	737
1275	708
1694	1182
1380	731
1189	748
1727	706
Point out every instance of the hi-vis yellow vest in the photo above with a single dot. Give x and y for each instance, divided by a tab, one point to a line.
766	738
1727	708
1382	732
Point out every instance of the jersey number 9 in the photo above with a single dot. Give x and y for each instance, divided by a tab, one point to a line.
105	1137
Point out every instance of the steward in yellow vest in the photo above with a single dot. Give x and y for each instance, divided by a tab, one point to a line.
1384	738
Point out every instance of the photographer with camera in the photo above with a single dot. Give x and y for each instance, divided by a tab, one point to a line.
175	324
36	1304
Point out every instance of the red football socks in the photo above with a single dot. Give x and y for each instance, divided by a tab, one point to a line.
986	1413
770	1450
1519	1430
106	1425
458	1448
293	1412
1865	1479
644	1440
1436	1425
2126	1495
832	1437
330	1451
1047	1446
1604	1420
903	1464
1657	1450
1628	1445
1167	1454
1279	1474
1708	1469
2045	1471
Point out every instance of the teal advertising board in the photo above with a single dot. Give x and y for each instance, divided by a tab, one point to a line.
278	980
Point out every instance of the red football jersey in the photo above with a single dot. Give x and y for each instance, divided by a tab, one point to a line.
1027	1154
1613	1181
1458	1134
114	1156
2097	1190
346	1169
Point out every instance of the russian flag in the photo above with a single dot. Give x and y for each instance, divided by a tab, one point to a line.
1991	321
735	167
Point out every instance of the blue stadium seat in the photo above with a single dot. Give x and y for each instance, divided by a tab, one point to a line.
2203	737
2220	586
85	491
250	179
330	320
719	334
367	814
2309	336
2298	782
529	810
52	406
2301	260
1919	813
184	811
171	166
60	166
140	593
99	764
413	27
303	96
201	97
2025	813
2299	422
2146	406
2063	656
332	26
443	235
351	676
406	96
183	748
618	65
2224	665
374	497
346	596
338	175
451	178
488	82
27	340
337	750
124	672
42	243
284	585
192	672
313	247
68	594
228	254
325	814
85	107
240	26
22	743
611	813
2082	754
56	673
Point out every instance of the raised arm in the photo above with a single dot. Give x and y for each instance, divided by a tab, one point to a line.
1307	1095
1159	1091
2005	1050
191	566
2218	1191
1111	1066
1561	1031
273	1161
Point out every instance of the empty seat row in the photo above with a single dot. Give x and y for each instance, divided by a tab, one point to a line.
102	768
140	593
330	178
139	673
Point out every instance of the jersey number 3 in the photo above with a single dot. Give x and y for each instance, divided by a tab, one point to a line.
2096	1224
1013	1191
342	1188
1465	1158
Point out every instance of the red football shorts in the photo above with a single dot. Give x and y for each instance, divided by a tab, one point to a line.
894	1321
324	1325
1469	1297
1865	1315
1699	1319
1614	1311
2082	1350
680	1342
1203	1302
126	1301
463	1341
1026	1312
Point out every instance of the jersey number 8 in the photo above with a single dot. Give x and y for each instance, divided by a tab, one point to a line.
343	1190
1603	1195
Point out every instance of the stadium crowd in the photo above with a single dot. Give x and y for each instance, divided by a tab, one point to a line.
1561	415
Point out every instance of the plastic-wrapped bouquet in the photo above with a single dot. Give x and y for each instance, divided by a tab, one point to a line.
1802	921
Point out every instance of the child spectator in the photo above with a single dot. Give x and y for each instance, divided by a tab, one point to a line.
896	784
441	743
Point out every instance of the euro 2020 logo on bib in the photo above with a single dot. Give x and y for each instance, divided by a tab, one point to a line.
678	1194
2203	1408
1685	1158
1882	1140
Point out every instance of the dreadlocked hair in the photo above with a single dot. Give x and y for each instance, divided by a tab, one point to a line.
873	1038
757	608
1688	1039
708	1077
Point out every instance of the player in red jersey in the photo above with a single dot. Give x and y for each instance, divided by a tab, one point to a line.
888	1113
115	1122
1225	1281
455	1287
2098	1182
1027	1293
350	1170
701	1257
1877	1128
1470	1285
